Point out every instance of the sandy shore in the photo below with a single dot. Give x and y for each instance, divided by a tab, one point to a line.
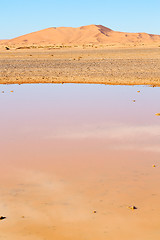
116	66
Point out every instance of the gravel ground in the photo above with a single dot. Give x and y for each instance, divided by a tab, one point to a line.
108	66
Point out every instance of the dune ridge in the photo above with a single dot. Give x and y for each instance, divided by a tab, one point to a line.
91	34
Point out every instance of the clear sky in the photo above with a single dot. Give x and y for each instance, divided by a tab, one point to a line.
19	17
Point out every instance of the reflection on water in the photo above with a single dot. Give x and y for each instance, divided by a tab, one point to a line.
38	114
73	149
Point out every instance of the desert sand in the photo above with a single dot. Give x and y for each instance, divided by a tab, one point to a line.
88	54
92	34
102	65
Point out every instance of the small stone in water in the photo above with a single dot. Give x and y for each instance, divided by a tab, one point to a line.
132	207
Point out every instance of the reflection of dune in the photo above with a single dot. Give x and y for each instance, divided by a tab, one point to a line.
121	136
109	131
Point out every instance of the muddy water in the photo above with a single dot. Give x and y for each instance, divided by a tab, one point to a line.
69	150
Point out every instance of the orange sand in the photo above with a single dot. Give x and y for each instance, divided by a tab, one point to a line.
92	34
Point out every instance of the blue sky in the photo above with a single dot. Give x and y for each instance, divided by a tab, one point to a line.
19	17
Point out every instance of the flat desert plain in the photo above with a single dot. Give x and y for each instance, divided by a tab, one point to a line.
96	64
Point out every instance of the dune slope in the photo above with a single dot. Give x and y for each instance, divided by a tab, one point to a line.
92	34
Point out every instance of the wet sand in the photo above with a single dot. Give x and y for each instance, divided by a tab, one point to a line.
52	203
114	66
69	150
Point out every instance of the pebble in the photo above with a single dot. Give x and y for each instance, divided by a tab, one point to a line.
132	207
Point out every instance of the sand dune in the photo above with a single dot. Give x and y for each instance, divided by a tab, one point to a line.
3	41
91	34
